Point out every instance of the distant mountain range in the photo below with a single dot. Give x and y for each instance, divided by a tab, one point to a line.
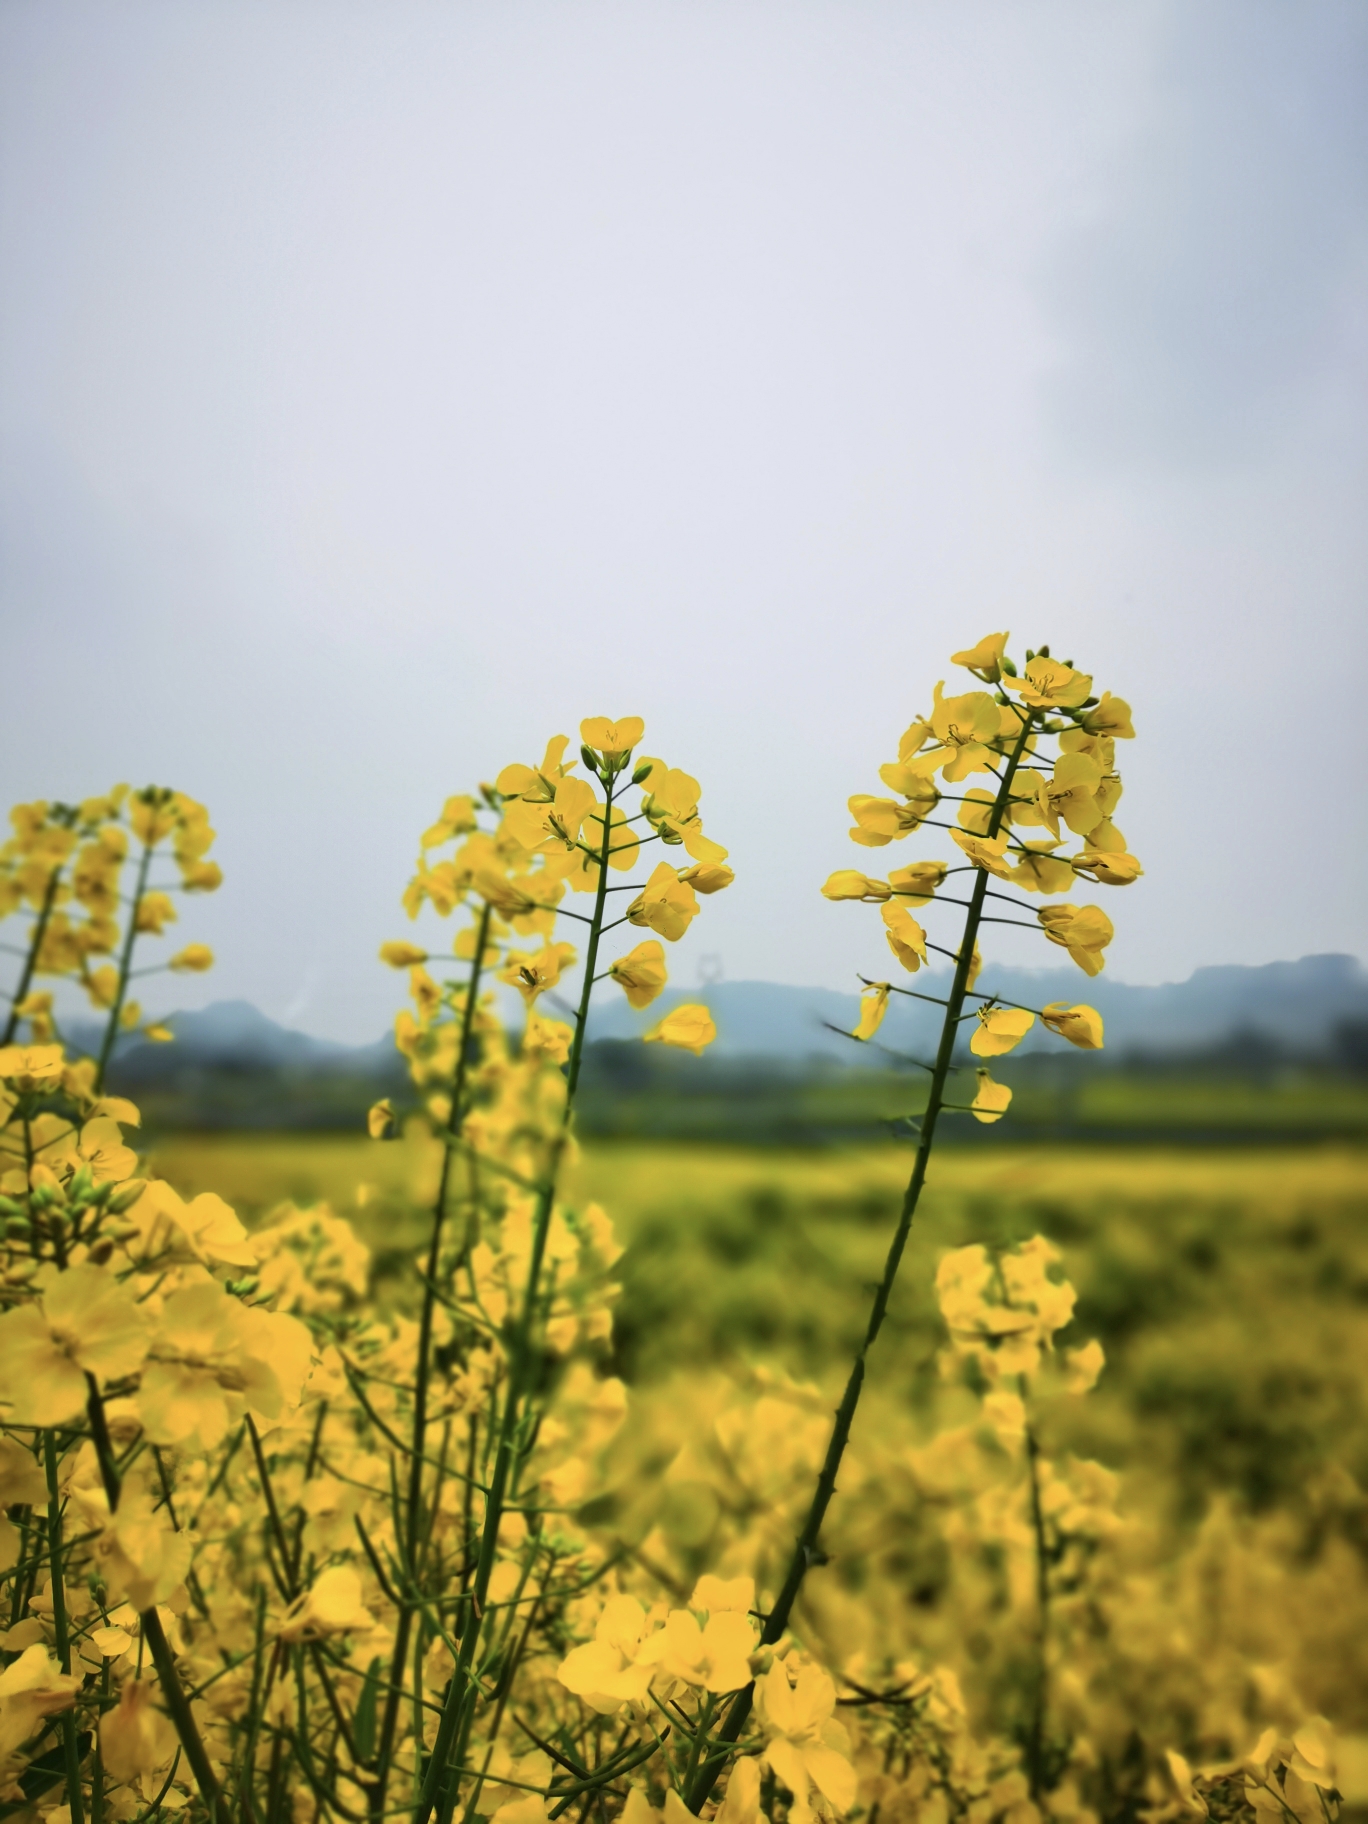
1293	1006
1297	1007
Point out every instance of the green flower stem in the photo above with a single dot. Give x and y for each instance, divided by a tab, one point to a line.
172	1691
125	969
413	1528
31	963
1040	1696
807	1549
70	1746
458	1710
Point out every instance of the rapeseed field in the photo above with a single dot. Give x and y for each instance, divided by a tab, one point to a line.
482	1470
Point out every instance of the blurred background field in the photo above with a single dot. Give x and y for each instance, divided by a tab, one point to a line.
1228	1286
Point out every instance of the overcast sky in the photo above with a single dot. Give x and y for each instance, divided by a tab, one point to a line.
385	387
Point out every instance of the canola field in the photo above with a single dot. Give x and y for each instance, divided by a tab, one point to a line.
1228	1290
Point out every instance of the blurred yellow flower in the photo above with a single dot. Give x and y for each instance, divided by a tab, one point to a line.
531	972
32	1687
136	1736
30	1067
991	1100
400	955
193	959
331	1605
689	1026
873	1006
85	1322
155	910
457	819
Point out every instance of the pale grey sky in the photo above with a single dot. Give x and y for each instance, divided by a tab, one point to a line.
384	387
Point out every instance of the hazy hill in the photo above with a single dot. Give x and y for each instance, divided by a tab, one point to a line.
1290	1006
1293	1006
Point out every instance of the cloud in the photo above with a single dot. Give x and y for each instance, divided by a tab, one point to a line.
1212	284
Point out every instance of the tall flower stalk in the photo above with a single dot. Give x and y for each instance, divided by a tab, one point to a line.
553	834
998	732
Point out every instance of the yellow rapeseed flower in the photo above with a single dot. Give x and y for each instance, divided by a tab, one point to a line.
708	876
1112	717
991	1099
964	725
136	1736
518	781
906	939
1050	684
457	819
879	821
532	972
1000	1030
917	883
1081	1026
155	911
194	958
988	852
873	1006
805	1746
540	823
400	955
331	1605
849	883
1038	871
30	1067
690	1027
1084	931
614	740
985	659
86	1322
641	974
1108	867
666	905
604	1672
